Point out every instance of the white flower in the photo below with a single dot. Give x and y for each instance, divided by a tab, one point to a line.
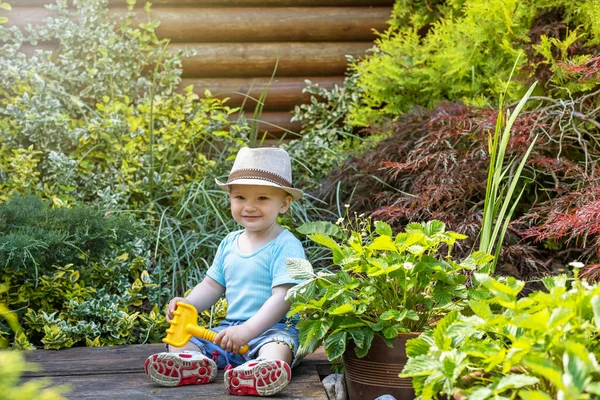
576	264
339	221
347	205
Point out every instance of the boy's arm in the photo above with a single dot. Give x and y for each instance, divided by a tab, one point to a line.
269	314
202	296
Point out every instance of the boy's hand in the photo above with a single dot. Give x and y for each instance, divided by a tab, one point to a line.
172	306
232	338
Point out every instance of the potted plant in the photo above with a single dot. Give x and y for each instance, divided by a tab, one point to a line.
540	347
380	291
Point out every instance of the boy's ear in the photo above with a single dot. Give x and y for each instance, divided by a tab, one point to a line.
287	202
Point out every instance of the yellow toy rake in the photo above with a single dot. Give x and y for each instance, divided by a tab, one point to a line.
184	325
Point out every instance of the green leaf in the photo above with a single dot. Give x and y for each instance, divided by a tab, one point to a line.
421	366
540	366
515	381
335	344
5	6
575	371
481	393
368	339
418	346
299	268
412	315
382	243
328	242
414	227
383	228
510	286
534	395
440	336
389	314
3	20
434	226
480	308
340	310
324	240
391	332
323	227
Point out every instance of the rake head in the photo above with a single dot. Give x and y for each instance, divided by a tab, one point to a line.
177	334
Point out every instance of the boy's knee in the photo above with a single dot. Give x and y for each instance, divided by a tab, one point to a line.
276	351
188	346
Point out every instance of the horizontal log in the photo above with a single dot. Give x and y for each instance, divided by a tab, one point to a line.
286	24
282	95
259	59
252	60
232	3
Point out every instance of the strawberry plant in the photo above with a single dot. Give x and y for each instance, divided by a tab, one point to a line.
543	346
382	284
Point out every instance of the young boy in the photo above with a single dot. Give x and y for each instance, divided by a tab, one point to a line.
249	268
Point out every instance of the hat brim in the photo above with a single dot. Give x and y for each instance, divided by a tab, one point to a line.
295	193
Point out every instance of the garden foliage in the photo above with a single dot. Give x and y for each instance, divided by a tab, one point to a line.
12	366
91	113
465	50
543	346
95	118
76	275
379	284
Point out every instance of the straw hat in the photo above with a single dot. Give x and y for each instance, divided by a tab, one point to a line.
267	166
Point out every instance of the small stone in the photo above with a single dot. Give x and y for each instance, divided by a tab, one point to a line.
335	387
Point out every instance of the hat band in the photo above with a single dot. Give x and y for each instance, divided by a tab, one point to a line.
258	174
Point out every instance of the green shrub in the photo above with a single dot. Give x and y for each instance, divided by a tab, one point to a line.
543	346
12	366
96	119
459	50
327	138
77	274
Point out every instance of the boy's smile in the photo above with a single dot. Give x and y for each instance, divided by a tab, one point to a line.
256	207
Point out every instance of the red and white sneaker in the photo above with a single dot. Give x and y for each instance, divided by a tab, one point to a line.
258	377
176	369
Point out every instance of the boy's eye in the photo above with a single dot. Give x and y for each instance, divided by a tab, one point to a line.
238	197
263	198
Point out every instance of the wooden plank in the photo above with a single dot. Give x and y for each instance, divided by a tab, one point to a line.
117	372
285	24
231	3
75	360
282	95
305	384
259	59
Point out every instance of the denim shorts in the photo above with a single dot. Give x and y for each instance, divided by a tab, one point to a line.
285	333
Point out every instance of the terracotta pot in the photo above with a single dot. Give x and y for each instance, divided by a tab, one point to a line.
376	374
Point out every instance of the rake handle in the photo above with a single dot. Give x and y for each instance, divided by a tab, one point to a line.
209	335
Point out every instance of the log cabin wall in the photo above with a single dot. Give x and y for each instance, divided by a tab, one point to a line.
239	42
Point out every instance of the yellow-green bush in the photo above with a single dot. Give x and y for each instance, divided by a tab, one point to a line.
12	366
462	50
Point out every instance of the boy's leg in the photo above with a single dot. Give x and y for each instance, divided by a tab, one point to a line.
268	374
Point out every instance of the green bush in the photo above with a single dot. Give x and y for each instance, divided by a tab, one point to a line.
543	346
80	275
459	50
12	366
96	119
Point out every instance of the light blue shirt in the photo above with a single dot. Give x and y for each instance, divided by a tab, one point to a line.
249	278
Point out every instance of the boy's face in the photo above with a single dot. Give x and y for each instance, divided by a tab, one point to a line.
255	207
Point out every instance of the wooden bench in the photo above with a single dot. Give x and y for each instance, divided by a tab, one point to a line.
117	372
